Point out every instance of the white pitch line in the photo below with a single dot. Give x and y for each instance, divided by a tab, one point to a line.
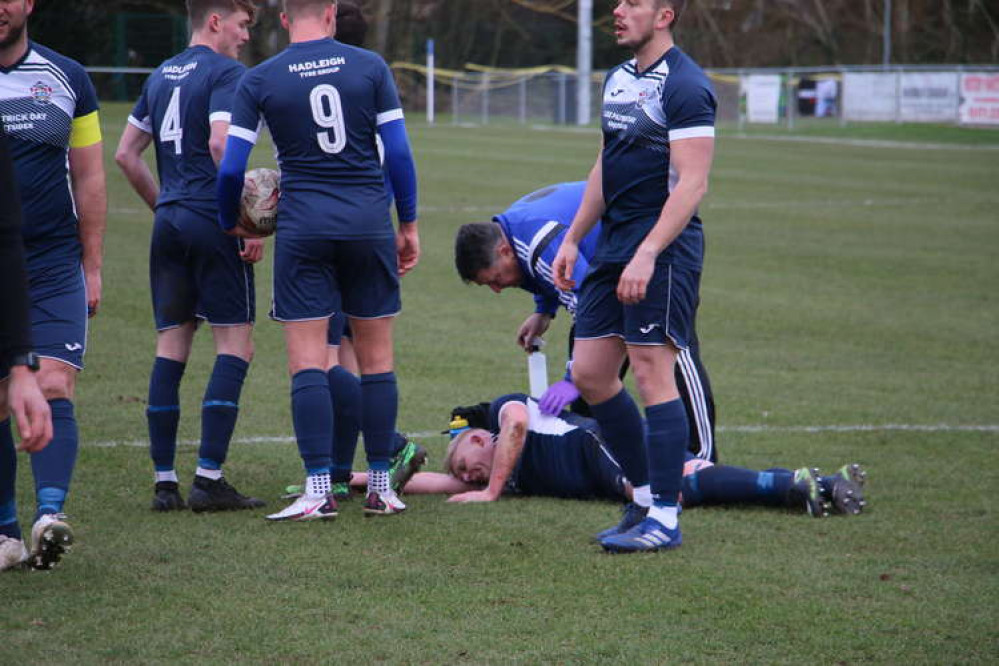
889	427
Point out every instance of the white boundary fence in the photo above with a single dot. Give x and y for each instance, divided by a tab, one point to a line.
960	95
947	94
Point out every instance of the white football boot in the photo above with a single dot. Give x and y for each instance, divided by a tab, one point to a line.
384	503
308	507
51	538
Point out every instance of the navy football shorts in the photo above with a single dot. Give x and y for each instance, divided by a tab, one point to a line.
58	313
666	315
338	330
196	273
317	278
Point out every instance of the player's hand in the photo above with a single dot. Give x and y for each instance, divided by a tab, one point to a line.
252	250
473	496
92	280
241	230
635	278
407	244
557	397
533	327
30	409
565	263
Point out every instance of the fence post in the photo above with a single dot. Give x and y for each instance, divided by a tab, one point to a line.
430	82
561	98
841	98
792	100
523	100
484	82
898	96
743	101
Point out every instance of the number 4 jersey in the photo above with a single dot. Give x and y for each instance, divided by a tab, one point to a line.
179	102
322	102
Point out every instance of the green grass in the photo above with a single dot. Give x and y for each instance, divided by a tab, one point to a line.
844	285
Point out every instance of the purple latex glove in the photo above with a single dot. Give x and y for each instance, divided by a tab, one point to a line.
557	397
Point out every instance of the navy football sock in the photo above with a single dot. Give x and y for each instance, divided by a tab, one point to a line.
53	465
667	446
624	432
399	442
312	416
8	482
220	409
163	412
380	404
723	484
345	389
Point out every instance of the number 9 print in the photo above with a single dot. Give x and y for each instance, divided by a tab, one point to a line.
328	113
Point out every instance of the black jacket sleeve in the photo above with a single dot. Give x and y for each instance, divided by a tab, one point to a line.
15	332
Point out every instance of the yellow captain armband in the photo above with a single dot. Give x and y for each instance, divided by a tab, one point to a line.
86	131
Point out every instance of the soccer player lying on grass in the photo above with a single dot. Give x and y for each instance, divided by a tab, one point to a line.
515	449
517	248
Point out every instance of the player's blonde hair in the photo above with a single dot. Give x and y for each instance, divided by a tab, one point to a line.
452	447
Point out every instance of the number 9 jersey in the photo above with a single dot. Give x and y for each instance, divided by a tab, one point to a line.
323	102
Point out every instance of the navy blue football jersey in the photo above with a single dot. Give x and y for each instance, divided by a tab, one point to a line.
322	102
535	226
562	455
47	105
179	102
642	113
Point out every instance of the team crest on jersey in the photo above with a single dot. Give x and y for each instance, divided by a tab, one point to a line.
41	93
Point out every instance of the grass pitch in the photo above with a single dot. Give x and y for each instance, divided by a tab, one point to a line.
849	285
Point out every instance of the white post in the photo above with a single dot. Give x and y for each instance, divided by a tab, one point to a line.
886	36
430	82
584	61
791	98
561	99
522	87
484	81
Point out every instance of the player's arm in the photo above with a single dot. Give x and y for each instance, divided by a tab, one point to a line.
401	174
134	141
509	446
691	159
24	399
86	169
587	215
421	483
217	140
252	249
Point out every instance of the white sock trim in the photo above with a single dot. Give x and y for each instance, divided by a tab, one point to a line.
168	475
642	495
318	484
213	474
667	515
378	481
